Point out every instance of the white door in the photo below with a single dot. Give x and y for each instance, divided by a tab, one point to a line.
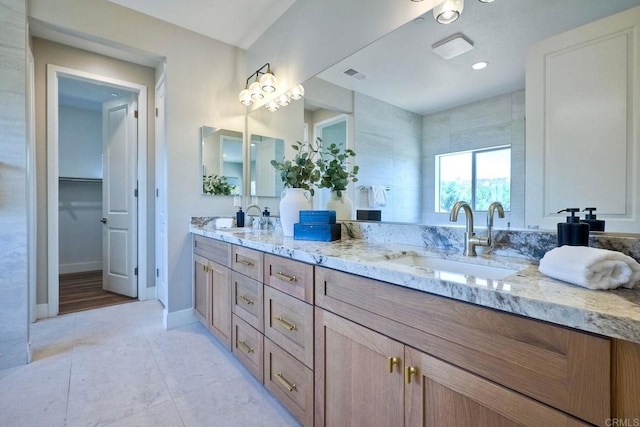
161	197
119	207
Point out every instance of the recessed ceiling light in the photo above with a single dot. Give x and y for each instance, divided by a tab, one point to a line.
114	94
419	20
480	65
416	1
486	1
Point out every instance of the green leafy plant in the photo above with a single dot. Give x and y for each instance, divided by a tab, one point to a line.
217	185
335	167
302	171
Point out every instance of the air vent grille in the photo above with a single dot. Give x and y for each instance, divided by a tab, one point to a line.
355	74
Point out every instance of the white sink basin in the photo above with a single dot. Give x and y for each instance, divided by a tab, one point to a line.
456	267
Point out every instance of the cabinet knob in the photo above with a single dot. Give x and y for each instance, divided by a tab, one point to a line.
409	371
393	361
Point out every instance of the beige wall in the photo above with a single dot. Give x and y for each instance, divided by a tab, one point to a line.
47	52
203	77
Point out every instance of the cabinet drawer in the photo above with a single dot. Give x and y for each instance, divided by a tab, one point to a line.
292	277
247	261
290	381
212	249
248	347
289	323
247	300
563	368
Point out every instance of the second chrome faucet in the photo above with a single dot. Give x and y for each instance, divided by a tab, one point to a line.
470	238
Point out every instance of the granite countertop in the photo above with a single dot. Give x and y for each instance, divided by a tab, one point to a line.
526	292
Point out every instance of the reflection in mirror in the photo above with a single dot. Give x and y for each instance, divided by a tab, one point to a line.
265	179
408	105
273	134
222	161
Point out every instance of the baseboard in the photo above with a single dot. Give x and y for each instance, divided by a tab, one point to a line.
80	267
151	293
42	311
178	318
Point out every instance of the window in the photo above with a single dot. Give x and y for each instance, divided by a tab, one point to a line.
478	177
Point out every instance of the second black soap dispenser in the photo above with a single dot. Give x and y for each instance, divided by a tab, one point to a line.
590	218
573	232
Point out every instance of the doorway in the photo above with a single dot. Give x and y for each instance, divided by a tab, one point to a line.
331	131
96	153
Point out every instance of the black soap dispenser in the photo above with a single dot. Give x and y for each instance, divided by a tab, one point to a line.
573	232
240	218
266	212
590	218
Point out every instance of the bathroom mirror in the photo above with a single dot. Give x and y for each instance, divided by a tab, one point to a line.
271	136
222	162
265	180
397	87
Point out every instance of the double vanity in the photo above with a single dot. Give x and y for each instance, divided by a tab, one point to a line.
355	332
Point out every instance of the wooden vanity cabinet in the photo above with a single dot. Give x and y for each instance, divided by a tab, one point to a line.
555	367
212	286
289	334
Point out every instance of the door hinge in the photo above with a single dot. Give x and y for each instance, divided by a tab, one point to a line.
135	114
135	193
156	112
157	272
157	193
135	271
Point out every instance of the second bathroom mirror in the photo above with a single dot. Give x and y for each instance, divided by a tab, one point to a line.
222	162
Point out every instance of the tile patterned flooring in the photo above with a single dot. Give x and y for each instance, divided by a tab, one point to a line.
117	366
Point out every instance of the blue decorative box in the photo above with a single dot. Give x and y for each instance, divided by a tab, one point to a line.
317	217
317	232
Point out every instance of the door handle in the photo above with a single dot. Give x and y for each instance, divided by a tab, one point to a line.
103	220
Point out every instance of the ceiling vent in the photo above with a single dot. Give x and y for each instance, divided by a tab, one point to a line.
452	46
355	74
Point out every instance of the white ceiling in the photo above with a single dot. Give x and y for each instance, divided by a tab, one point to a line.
402	70
237	22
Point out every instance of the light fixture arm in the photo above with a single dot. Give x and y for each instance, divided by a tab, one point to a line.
258	73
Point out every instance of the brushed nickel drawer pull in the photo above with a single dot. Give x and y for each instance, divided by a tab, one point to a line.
245	262
289	326
246	300
284	382
245	346
285	277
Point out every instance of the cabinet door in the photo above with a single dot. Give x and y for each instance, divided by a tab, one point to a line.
201	289
440	394
220	321
359	378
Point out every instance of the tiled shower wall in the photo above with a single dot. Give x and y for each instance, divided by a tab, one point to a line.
13	175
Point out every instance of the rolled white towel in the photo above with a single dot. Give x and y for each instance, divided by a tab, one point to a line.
591	268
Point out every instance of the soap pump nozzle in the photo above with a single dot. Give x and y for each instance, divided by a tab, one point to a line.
589	215
573	218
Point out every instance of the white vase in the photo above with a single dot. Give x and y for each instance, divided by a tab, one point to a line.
341	204
292	201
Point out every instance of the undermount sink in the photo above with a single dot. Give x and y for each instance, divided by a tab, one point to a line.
450	266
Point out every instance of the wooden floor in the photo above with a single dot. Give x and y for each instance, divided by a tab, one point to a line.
83	291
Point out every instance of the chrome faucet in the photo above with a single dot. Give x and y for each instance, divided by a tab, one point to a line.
262	220
492	208
470	238
471	241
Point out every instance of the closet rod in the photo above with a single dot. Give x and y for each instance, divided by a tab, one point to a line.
69	179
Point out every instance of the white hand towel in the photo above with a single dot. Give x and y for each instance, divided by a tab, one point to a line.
591	268
377	196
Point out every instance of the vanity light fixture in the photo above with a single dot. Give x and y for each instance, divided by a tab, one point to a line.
272	106
297	92
480	65
265	82
448	11
283	100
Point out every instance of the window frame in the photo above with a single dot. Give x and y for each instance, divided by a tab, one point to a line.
473	153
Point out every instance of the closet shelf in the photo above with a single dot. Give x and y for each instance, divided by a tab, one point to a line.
70	179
